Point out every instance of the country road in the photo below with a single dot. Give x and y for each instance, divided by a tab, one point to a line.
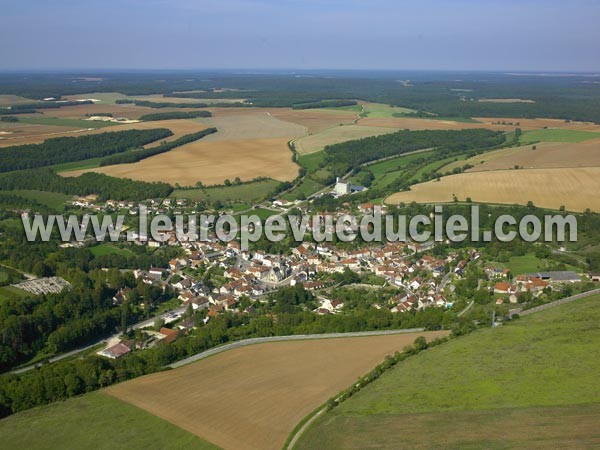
142	324
299	337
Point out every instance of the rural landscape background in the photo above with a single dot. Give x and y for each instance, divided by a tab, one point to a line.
285	109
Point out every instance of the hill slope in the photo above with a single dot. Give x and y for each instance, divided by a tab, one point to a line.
96	422
531	384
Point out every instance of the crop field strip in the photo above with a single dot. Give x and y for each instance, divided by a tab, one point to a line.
235	403
575	188
211	163
529	384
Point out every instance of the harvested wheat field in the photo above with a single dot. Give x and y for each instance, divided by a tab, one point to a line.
252	397
546	155
36	134
316	142
417	123
315	121
129	111
496	123
575	188
211	163
245	123
537	124
25	133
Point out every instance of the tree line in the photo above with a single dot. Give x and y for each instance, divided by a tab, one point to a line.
44	179
138	155
357	152
62	380
175	115
160	105
324	104
67	149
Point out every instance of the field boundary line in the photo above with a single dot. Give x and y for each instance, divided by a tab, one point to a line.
308	422
562	301
299	337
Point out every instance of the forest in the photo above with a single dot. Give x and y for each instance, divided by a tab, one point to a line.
138	155
160	105
175	115
354	153
67	149
65	379
44	179
324	104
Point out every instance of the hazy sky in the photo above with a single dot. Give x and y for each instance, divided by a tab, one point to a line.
302	34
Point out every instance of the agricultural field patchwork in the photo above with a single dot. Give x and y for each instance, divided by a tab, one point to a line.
247	412
246	192
316	142
545	155
211	163
315	120
109	424
574	188
483	391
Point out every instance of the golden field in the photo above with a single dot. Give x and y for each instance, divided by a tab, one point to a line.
575	188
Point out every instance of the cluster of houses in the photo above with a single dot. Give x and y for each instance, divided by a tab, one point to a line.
534	283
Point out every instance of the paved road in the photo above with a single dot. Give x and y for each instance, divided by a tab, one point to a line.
299	337
167	317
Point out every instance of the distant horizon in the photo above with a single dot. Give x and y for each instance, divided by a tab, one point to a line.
291	70
432	35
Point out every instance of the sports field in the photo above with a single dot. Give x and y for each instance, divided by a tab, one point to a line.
575	188
529	384
235	402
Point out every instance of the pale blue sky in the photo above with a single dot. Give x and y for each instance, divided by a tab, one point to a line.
301	34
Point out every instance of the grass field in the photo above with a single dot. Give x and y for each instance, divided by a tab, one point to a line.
52	200
77	165
233	401
109	249
248	192
312	161
525	264
11	292
575	188
307	187
553	135
379	110
393	164
93	422
529	263
529	384
316	142
433	166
